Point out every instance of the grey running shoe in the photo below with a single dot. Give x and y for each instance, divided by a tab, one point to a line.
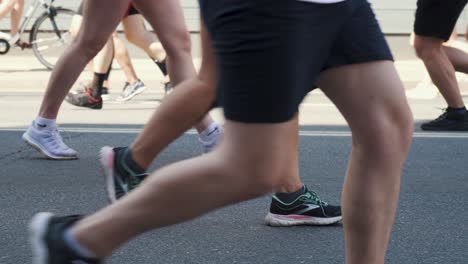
131	90
119	182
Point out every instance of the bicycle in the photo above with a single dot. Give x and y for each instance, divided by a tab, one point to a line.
49	35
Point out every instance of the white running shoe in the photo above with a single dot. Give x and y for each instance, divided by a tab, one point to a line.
48	141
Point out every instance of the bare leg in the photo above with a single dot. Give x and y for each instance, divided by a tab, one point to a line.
293	181
441	70
178	112
137	34
16	14
171	188
123	59
6	6
85	46
209	172
103	59
371	93
457	53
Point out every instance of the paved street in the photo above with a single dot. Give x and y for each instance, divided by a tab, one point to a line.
431	226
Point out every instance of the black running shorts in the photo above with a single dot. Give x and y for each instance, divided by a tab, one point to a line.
437	18
271	52
130	11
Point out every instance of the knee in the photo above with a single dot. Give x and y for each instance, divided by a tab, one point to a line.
389	135
205	93
157	49
179	44
261	177
120	51
425	49
206	90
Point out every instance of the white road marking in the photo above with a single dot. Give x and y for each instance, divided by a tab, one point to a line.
303	133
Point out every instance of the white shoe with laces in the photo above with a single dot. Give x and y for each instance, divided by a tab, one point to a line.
48	141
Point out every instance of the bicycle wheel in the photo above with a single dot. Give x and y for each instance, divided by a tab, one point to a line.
50	35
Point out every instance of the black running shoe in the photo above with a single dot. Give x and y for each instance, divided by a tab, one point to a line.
118	182
448	121
84	99
46	238
307	209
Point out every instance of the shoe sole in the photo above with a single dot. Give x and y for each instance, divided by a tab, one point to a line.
37	230
97	106
106	158
431	128
139	91
276	220
31	142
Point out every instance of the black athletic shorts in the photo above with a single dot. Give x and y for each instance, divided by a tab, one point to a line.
437	18
130	11
271	52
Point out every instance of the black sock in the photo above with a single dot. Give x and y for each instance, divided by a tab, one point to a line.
290	197
161	65
125	162
98	80
461	110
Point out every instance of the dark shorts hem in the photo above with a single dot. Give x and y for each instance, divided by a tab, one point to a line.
130	11
264	72
437	18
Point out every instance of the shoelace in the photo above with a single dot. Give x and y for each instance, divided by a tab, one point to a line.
131	88
58	141
315	198
442	116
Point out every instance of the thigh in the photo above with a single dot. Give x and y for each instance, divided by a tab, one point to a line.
366	94
167	19
268	146
97	27
134	27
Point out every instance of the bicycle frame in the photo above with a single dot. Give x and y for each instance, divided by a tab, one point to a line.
32	9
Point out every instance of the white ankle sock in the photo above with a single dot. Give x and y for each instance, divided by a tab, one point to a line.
75	246
211	137
211	133
41	122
